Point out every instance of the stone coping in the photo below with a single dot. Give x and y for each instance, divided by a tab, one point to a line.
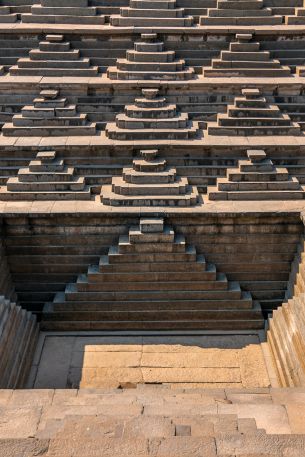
102	29
94	207
283	84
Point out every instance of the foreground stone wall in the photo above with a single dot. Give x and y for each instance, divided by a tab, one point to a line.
47	251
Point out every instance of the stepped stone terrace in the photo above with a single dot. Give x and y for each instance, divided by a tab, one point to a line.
152	253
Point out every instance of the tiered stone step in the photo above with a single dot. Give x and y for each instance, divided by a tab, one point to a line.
240	12
73	12
149	183
149	60
156	13
54	58
50	115
18	337
252	115
46	178
256	179
151	118
245	59
297	18
152	280
6	16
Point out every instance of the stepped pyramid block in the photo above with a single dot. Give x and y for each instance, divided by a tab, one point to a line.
6	16
18	337
149	183
46	178
155	13
251	115
149	60
151	118
57	12
245	59
54	58
256	179
50	115
297	18
152	280
240	12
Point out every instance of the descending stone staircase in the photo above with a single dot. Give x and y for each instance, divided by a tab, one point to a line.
297	18
251	115
50	115
245	59
54	58
54	12
149	60
152	280
240	12
149	183
6	15
151	118
151	13
46	178
18	338
152	420
256	179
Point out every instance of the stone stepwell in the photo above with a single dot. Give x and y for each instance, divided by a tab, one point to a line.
149	60
46	178
257	179
251	115
245	59
50	115
151	118
152	280
240	12
150	182
55	57
151	13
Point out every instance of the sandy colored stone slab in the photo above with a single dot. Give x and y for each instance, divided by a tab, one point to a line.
179	446
252	367
296	416
190	374
108	343
33	397
97	377
215	358
109	359
24	447
19	422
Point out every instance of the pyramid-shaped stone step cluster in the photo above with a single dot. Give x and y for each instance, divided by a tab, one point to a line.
50	115
149	183
252	115
257	179
46	178
151	13
151	118
6	16
18	338
152	280
57	12
245	59
54	58
149	60
240	12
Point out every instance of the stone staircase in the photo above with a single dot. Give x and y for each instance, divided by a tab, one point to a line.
152	280
151	13
251	115
298	18
240	12
18	338
150	182
245	59
50	115
256	179
53	12
46	178
153	420
149	60
151	118
54	58
6	15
